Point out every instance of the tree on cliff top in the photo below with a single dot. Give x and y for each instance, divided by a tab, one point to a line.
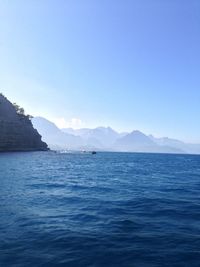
21	112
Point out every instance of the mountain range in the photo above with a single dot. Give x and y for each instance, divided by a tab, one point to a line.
107	139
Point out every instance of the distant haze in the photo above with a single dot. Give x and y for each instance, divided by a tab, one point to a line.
107	139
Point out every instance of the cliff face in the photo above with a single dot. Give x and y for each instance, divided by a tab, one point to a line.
16	130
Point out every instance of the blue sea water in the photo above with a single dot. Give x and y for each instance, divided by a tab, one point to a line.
108	209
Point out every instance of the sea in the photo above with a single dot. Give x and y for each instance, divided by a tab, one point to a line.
103	210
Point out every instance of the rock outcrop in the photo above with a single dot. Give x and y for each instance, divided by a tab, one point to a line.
16	130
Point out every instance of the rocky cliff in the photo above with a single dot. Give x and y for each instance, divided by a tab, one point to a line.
16	130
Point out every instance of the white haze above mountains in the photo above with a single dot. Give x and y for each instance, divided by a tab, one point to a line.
107	139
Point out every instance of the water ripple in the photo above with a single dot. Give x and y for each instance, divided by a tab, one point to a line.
114	209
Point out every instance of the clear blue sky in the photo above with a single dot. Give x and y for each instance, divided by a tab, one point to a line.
127	64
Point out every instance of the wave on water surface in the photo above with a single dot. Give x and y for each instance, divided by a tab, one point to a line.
111	209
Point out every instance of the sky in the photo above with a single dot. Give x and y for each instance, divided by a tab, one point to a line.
128	64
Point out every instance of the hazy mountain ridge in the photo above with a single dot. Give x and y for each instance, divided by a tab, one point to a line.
107	139
187	147
105	136
54	137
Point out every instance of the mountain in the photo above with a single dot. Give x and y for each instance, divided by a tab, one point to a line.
165	141
139	142
107	139
16	130
101	137
76	132
135	141
54	137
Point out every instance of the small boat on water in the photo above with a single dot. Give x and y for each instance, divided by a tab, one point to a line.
94	152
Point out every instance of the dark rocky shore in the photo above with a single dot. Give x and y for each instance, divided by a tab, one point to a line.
16	129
